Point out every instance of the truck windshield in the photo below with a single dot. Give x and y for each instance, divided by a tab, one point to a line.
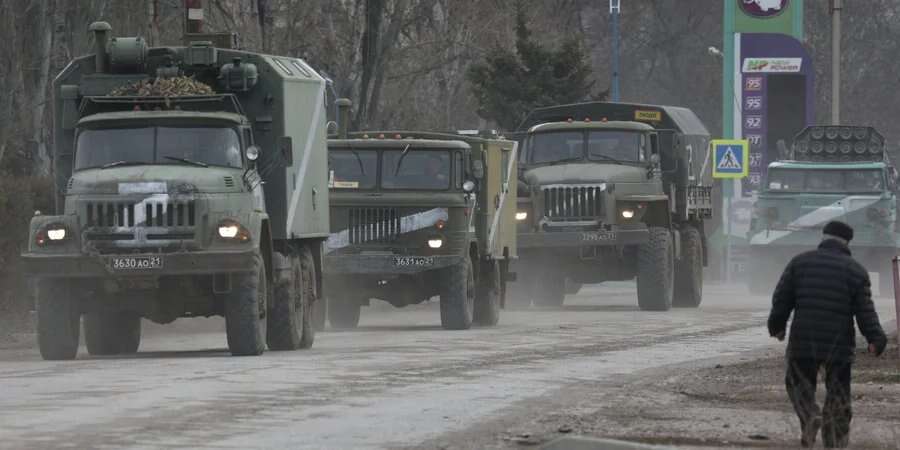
826	180
214	146
601	145
352	169
412	169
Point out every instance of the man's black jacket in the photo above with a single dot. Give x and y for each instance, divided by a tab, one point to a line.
825	288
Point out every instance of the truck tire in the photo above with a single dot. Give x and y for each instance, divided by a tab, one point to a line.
689	270
343	312
58	320
655	277
308	265
550	289
245	312
284	326
112	333
488	295
320	313
458	296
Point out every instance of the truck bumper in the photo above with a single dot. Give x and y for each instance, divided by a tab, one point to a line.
552	239
100	266
384	264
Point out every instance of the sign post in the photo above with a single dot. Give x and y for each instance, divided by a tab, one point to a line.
896	272
731	161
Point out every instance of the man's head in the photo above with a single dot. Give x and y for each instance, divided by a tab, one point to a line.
839	231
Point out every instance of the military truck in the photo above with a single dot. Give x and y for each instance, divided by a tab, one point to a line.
832	173
613	191
178	205
416	215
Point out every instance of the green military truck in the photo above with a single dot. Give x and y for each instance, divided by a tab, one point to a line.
613	191
416	215
832	173
175	202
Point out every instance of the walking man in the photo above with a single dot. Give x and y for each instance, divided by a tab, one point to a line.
826	289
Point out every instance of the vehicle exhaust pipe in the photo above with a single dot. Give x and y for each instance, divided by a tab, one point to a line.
101	38
343	116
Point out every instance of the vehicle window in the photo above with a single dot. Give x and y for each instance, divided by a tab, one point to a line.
415	169
215	146
95	148
826	181
618	145
460	169
556	146
352	169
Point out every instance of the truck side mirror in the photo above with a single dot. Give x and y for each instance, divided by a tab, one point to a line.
654	145
286	147
478	169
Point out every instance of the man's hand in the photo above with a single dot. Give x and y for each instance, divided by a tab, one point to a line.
779	335
873	349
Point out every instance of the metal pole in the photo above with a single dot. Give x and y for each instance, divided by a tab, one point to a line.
614	9
193	16
836	7
896	274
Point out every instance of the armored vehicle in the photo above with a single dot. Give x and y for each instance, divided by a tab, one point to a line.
613	191
416	215
831	173
175	202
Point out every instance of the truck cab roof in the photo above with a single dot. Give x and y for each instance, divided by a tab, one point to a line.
100	118
828	165
575	125
419	144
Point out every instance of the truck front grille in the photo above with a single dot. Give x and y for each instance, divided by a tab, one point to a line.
573	202
142	214
374	225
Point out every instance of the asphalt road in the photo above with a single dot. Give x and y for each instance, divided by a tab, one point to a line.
397	381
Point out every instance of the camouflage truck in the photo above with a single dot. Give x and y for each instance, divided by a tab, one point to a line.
613	191
831	173
416	215
177	202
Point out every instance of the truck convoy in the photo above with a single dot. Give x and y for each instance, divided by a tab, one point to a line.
832	173
181	204
416	215
613	191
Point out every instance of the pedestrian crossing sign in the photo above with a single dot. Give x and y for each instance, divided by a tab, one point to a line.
731	158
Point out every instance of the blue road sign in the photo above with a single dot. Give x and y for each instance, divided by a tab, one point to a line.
731	158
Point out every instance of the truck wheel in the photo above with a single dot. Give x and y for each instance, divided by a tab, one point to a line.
58	326
245	312
458	296
489	295
689	271
308	265
550	289
112	333
320	313
343	312
655	271
285	319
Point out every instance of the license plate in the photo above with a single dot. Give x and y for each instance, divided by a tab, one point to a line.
413	261
598	236
136	263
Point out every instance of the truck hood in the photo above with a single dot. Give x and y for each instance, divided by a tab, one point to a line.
585	173
796	215
165	179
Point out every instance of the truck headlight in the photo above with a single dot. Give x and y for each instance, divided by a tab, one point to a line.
628	213
232	230
56	233
521	215
435	242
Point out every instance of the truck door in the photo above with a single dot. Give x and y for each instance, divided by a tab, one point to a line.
501	182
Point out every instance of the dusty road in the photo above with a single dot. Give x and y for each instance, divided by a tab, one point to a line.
398	381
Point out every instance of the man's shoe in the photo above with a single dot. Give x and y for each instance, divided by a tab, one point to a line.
810	432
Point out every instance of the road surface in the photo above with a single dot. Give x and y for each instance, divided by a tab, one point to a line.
399	381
